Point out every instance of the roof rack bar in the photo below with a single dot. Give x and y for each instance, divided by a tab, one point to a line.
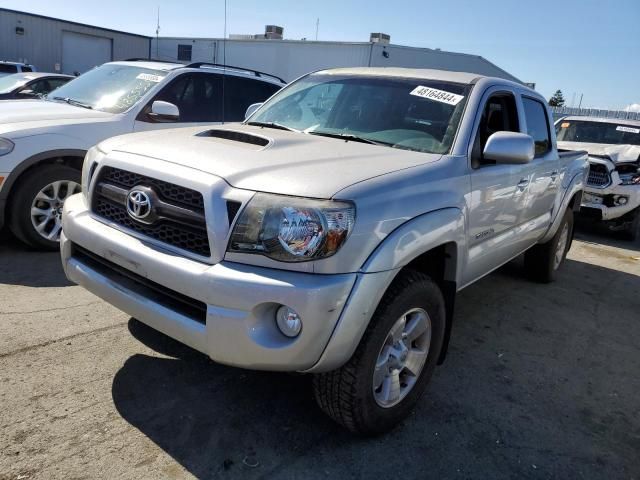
255	72
140	59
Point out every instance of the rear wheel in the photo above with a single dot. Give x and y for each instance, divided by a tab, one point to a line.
386	376
37	202
543	261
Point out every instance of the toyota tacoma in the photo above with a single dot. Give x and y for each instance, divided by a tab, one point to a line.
330	232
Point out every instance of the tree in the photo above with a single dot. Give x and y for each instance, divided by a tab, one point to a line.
557	100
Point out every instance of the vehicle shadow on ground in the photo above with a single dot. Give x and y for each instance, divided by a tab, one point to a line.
591	232
507	366
20	265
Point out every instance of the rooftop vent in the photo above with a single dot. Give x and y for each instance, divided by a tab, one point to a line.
380	38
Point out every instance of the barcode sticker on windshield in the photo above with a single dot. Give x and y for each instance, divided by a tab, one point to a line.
149	77
620	128
437	95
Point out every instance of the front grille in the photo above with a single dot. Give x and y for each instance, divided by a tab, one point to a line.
175	301
598	175
179	222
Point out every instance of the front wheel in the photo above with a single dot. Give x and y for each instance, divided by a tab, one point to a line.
36	205
543	261
386	376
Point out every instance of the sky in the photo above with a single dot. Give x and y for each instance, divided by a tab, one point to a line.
585	48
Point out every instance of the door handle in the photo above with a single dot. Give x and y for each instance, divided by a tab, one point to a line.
554	176
522	184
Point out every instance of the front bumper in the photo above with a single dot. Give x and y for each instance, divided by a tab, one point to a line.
592	201
238	327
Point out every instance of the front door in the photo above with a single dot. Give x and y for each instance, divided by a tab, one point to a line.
497	192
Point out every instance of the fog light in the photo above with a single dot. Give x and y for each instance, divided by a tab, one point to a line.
288	321
622	200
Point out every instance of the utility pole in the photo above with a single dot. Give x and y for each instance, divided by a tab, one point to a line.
580	106
317	27
157	31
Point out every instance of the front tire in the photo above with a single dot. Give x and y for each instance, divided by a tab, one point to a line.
389	371
36	205
543	261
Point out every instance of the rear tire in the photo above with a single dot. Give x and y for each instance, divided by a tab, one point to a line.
543	261
394	346
52	184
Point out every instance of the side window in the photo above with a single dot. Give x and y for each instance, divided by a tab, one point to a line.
500	114
40	87
184	53
57	82
25	68
537	124
198	96
240	92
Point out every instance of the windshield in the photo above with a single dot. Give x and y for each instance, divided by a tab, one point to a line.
110	88
598	132
9	83
413	114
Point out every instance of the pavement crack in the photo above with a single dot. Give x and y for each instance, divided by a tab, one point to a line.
51	309
57	340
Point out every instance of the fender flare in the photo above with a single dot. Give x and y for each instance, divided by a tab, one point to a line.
25	165
575	187
407	242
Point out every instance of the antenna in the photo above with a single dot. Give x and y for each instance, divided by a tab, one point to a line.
224	58
157	31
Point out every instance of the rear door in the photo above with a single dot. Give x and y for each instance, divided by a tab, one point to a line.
497	194
541	175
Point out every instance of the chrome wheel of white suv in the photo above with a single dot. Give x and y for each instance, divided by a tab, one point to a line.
46	208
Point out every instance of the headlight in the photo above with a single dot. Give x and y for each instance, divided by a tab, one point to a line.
89	167
291	229
6	146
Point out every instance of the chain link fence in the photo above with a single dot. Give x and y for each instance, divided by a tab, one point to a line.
559	112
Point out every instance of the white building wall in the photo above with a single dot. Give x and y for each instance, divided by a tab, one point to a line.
289	58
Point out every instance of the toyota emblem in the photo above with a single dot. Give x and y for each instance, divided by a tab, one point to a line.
138	204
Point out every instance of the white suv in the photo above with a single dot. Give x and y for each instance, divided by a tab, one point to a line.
43	143
9	68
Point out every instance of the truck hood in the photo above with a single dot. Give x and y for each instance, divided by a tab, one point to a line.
269	160
17	115
617	153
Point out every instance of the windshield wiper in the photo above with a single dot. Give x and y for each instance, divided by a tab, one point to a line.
276	125
350	137
73	102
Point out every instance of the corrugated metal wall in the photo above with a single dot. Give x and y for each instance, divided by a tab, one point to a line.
290	59
41	43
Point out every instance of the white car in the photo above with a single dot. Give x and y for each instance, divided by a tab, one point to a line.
43	143
8	68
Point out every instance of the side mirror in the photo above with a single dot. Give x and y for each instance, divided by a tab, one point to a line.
28	93
164	112
251	110
510	148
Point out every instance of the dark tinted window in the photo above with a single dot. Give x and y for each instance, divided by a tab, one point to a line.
57	82
598	132
4	68
197	95
27	69
184	53
500	114
537	124
239	93
40	87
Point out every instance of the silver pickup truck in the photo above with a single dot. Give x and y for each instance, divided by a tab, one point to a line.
330	232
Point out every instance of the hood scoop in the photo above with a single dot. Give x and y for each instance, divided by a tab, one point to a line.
235	136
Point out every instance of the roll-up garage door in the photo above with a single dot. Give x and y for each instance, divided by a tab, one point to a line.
82	52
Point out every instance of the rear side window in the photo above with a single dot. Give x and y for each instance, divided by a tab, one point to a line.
537	124
240	92
27	69
8	68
